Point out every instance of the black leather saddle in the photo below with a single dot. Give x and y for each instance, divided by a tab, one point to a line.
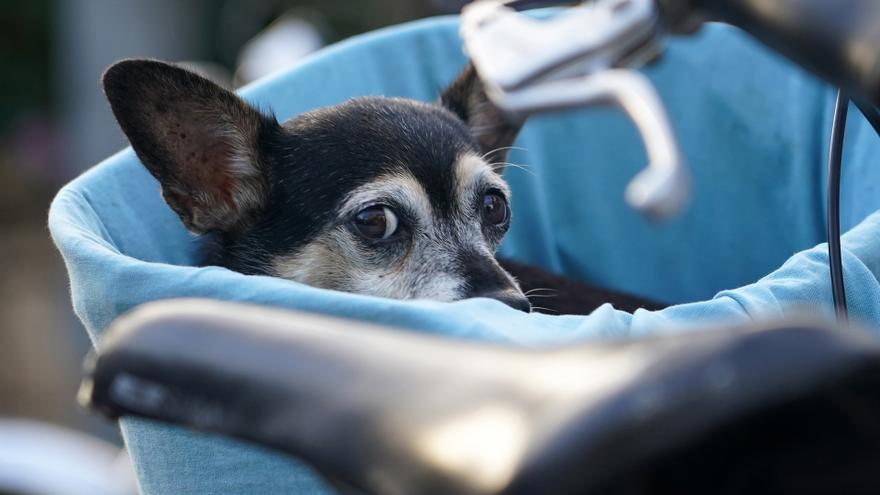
782	408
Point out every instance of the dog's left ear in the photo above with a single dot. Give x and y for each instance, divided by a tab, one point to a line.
199	140
492	130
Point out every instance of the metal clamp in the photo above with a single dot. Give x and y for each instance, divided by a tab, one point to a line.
576	58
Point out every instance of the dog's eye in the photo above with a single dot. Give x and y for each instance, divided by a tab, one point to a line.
376	222
495	209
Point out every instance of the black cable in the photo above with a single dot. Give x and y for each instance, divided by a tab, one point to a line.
835	156
520	5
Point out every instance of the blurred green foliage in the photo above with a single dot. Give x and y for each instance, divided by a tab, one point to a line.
24	59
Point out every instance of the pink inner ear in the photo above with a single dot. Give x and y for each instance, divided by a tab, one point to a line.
209	173
205	159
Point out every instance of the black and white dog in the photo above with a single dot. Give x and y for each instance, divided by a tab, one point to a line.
382	196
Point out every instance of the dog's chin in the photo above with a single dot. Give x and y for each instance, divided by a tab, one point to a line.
512	298
442	288
450	292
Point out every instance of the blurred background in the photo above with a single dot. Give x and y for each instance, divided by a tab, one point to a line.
55	123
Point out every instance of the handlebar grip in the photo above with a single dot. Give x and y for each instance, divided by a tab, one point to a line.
838	40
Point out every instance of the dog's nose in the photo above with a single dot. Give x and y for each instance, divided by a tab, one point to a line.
484	277
510	298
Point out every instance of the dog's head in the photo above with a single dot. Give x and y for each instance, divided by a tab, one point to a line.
380	196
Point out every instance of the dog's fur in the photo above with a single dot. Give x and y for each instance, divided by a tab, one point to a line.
286	199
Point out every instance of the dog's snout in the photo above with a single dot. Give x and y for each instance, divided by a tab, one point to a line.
485	278
513	299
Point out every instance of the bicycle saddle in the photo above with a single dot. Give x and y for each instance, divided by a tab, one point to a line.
787	408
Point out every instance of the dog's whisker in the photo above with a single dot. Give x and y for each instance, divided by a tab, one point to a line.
529	297
536	289
510	164
502	148
541	308
519	166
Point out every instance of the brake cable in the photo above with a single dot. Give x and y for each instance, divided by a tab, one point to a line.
835	156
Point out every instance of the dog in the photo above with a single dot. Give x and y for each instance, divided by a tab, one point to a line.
382	196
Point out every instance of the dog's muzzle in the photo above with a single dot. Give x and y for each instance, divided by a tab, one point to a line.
486	278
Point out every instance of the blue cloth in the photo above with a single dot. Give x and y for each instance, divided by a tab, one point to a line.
753	127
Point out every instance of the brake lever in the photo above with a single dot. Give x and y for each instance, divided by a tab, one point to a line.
579	58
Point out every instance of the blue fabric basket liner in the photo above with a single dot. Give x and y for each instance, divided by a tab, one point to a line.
754	129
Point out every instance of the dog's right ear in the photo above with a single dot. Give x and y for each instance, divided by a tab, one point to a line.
199	140
490	127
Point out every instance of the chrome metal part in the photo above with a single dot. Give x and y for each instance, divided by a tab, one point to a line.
580	57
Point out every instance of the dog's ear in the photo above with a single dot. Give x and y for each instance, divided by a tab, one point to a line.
492	130
199	140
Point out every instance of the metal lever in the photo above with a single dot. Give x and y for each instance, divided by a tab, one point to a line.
573	59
